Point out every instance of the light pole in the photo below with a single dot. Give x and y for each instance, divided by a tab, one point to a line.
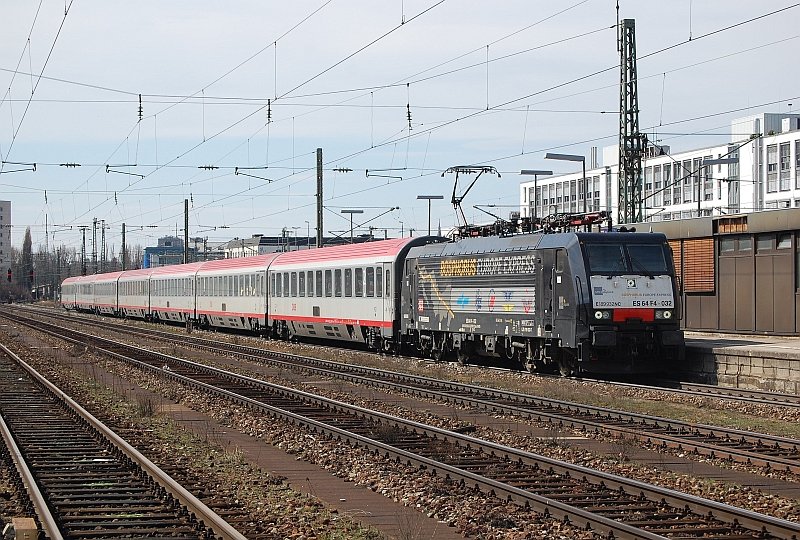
535	173
430	198
308	234
706	163
573	157
351	212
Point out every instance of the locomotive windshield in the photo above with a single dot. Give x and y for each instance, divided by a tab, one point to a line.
626	258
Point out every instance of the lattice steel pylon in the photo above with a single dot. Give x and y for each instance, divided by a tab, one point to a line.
631	142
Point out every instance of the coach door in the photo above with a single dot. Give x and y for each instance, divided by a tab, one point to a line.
388	296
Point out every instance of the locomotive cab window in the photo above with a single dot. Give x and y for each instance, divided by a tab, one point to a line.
604	258
648	258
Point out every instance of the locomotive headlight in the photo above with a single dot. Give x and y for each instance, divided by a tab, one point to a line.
598	315
602	315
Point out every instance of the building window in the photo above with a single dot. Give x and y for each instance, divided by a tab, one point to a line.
764	243
785	167
708	182
696	179
772	168
797	164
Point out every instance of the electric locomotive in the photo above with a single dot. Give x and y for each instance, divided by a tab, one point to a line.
596	302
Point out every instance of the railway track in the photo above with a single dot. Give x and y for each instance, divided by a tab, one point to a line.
709	390
763	450
602	502
82	479
661	385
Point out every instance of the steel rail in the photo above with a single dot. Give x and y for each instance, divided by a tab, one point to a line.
45	517
737	516
683	436
685	388
193	504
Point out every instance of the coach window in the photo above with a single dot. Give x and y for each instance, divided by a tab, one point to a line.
286	284
294	284
328	283
276	285
272	284
236	286
310	283
388	283
348	282
359	282
378	281
318	282
302	283
337	282
370	281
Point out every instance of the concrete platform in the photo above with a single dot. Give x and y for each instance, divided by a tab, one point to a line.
744	361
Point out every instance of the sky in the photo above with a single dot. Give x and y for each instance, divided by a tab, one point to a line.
237	96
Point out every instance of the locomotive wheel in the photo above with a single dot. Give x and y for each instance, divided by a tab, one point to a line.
567	366
464	353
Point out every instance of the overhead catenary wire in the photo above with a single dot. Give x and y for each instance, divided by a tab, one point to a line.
428	137
38	80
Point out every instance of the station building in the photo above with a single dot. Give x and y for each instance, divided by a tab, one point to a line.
679	185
